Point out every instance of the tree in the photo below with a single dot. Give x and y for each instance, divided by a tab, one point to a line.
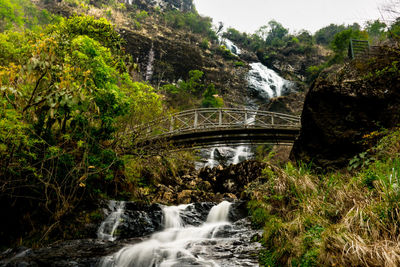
325	35
211	98
276	33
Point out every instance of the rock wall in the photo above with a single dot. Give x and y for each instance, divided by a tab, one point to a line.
176	53
342	106
182	5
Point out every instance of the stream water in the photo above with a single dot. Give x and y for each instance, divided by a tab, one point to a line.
190	239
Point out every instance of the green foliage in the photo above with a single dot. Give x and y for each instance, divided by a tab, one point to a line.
66	105
226	53
376	30
326	35
190	21
211	98
186	94
142	15
194	84
276	34
19	13
205	43
239	64
341	40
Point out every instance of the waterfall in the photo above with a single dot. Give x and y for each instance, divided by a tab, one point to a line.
264	84
230	46
219	213
150	62
177	244
110	224
172	217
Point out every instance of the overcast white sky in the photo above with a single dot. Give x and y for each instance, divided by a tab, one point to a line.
311	15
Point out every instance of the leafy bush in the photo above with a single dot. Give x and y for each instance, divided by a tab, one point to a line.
211	98
67	100
190	21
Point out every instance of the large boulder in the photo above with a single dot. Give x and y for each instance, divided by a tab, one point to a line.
345	104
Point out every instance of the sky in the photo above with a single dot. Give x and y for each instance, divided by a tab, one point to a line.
249	15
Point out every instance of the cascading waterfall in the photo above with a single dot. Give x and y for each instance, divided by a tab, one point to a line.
264	84
230	45
266	81
110	224
150	63
183	245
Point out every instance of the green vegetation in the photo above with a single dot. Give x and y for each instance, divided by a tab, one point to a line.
211	98
190	21
22	13
186	94
336	218
66	105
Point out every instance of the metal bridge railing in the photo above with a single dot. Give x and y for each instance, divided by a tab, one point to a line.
205	119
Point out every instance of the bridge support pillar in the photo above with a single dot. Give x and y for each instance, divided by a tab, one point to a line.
171	126
196	117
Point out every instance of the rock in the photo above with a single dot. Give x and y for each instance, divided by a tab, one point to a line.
185	197
289	104
182	5
341	107
230	197
84	252
164	195
196	214
238	211
139	220
291	63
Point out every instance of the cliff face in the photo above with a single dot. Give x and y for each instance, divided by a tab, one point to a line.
343	105
182	5
292	63
166	56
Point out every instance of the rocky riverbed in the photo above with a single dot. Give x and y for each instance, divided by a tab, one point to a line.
227	243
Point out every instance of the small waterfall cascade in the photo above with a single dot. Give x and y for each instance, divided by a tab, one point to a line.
230	46
150	64
110	224
186	245
172	218
266	82
219	213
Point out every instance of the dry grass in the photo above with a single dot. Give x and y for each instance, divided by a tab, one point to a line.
336	219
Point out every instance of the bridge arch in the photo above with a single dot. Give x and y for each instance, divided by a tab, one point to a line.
221	126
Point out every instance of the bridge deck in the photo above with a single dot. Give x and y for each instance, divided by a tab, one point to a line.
209	126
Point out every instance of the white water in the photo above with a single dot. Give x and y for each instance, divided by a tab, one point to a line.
172	217
266	81
110	224
150	63
219	213
177	245
230	46
267	84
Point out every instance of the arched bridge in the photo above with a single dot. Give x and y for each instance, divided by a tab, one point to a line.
218	126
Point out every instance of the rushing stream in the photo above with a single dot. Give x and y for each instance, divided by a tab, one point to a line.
187	240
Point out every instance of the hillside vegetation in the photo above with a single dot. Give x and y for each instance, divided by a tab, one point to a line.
345	218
